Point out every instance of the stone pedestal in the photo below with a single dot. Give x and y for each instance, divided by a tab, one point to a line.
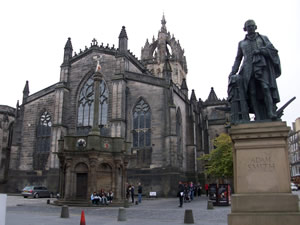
262	176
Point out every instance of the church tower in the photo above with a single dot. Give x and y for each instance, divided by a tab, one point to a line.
165	46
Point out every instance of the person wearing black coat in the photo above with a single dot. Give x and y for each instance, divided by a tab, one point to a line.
132	193
180	193
140	192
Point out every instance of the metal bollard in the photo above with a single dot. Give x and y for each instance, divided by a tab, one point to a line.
64	212
210	204
122	214
188	216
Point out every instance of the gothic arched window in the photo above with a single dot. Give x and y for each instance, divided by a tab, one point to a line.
86	105
179	136
44	132
141	125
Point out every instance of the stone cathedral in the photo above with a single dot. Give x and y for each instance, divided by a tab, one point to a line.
111	119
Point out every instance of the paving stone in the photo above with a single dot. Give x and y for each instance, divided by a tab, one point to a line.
159	211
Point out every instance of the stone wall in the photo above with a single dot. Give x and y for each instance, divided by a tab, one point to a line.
32	113
23	150
216	121
153	95
182	105
163	181
7	118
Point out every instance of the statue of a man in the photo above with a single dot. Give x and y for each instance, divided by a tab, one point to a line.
260	68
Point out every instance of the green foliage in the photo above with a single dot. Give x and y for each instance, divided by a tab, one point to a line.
219	163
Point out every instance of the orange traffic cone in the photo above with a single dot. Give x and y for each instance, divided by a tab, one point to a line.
82	220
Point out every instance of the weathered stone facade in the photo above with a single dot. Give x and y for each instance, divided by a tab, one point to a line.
7	118
144	103
216	120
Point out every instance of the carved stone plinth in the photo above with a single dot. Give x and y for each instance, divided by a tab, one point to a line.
261	176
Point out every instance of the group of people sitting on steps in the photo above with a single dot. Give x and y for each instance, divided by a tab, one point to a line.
102	197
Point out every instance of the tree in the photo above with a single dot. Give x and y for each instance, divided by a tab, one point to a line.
219	163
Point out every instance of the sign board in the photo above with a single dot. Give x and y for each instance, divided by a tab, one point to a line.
152	193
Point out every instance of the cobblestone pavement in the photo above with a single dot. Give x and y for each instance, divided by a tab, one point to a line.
164	211
149	212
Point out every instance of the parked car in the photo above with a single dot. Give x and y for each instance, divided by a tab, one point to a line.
294	187
36	192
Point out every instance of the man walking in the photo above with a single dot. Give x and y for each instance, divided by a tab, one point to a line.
192	191
132	193
140	191
206	189
180	193
199	189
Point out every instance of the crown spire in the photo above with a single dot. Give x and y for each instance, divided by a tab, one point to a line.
163	24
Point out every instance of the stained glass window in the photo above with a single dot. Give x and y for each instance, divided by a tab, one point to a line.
86	105
44	132
141	125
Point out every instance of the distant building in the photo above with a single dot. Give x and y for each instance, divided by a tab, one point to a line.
151	130
294	149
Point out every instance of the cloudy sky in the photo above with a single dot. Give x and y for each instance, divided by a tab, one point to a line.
33	35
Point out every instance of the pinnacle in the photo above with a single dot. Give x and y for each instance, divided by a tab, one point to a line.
123	33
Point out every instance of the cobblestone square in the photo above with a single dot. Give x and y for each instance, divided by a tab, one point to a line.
149	212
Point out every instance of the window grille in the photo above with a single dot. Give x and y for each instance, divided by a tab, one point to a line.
141	125
86	106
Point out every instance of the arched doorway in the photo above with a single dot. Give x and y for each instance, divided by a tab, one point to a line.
81	171
104	177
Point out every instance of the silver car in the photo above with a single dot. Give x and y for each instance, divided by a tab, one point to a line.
36	192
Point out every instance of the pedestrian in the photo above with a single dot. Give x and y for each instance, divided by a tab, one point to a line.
128	191
199	189
140	191
206	189
180	193
132	193
192	191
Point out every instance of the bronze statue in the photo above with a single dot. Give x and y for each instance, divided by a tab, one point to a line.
254	88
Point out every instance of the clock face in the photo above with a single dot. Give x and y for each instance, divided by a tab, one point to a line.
81	143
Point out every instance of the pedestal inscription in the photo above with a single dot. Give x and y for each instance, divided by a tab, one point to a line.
262	170
261	163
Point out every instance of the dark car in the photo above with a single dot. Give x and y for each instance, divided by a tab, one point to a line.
36	192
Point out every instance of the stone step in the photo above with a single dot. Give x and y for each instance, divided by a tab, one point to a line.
84	203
